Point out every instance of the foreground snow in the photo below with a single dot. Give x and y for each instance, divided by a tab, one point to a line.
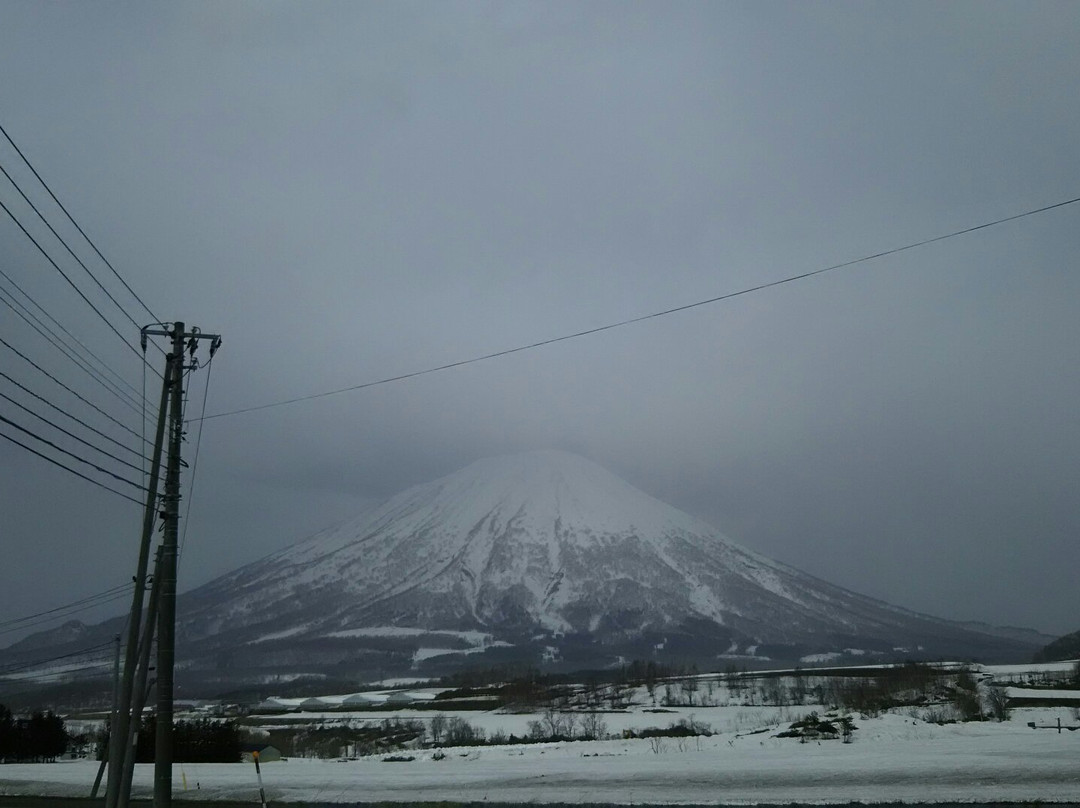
894	758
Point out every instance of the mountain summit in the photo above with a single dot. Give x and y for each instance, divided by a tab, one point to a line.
542	556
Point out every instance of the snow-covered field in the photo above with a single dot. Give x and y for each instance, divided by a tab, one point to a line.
893	758
897	756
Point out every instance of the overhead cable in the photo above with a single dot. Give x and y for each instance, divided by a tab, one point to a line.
67	247
71	435
9	669
67	606
70	336
71	219
642	318
40	369
195	462
70	454
43	621
72	284
68	468
78	420
28	623
29	318
101	665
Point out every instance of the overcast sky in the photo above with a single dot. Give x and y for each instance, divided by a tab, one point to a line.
351	191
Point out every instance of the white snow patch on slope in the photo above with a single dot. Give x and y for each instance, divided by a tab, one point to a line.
479	638
280	635
811	659
427	653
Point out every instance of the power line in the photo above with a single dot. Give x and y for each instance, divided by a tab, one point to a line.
72	220
46	676
71	434
70	282
78	420
28	624
66	606
195	461
642	318
71	336
28	317
71	252
72	455
33	624
67	468
40	369
9	669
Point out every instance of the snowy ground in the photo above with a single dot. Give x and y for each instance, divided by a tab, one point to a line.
896	757
893	758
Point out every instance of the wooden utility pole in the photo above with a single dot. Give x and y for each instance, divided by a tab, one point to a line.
112	718
121	732
166	630
165	584
140	691
163	597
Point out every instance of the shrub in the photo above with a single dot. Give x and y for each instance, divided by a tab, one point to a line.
684	728
812	727
966	697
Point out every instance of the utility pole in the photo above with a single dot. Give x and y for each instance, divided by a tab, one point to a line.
112	718
121	732
166	582
140	692
167	605
133	694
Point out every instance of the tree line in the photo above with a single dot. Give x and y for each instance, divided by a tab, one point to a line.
198	741
39	738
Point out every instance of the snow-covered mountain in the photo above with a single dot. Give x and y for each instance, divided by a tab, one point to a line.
544	559
542	556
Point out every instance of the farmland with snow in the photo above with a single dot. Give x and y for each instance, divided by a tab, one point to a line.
816	736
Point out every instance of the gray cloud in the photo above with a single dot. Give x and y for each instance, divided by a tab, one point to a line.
353	191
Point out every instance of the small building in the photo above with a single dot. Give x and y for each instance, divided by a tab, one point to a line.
267	753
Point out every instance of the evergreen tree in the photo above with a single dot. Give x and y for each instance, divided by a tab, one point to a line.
40	737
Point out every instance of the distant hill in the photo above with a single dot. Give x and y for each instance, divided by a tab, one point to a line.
1067	647
543	560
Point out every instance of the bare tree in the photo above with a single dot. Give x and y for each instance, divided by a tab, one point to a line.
689	686
460	732
438	727
798	686
570	721
593	727
774	692
998	699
